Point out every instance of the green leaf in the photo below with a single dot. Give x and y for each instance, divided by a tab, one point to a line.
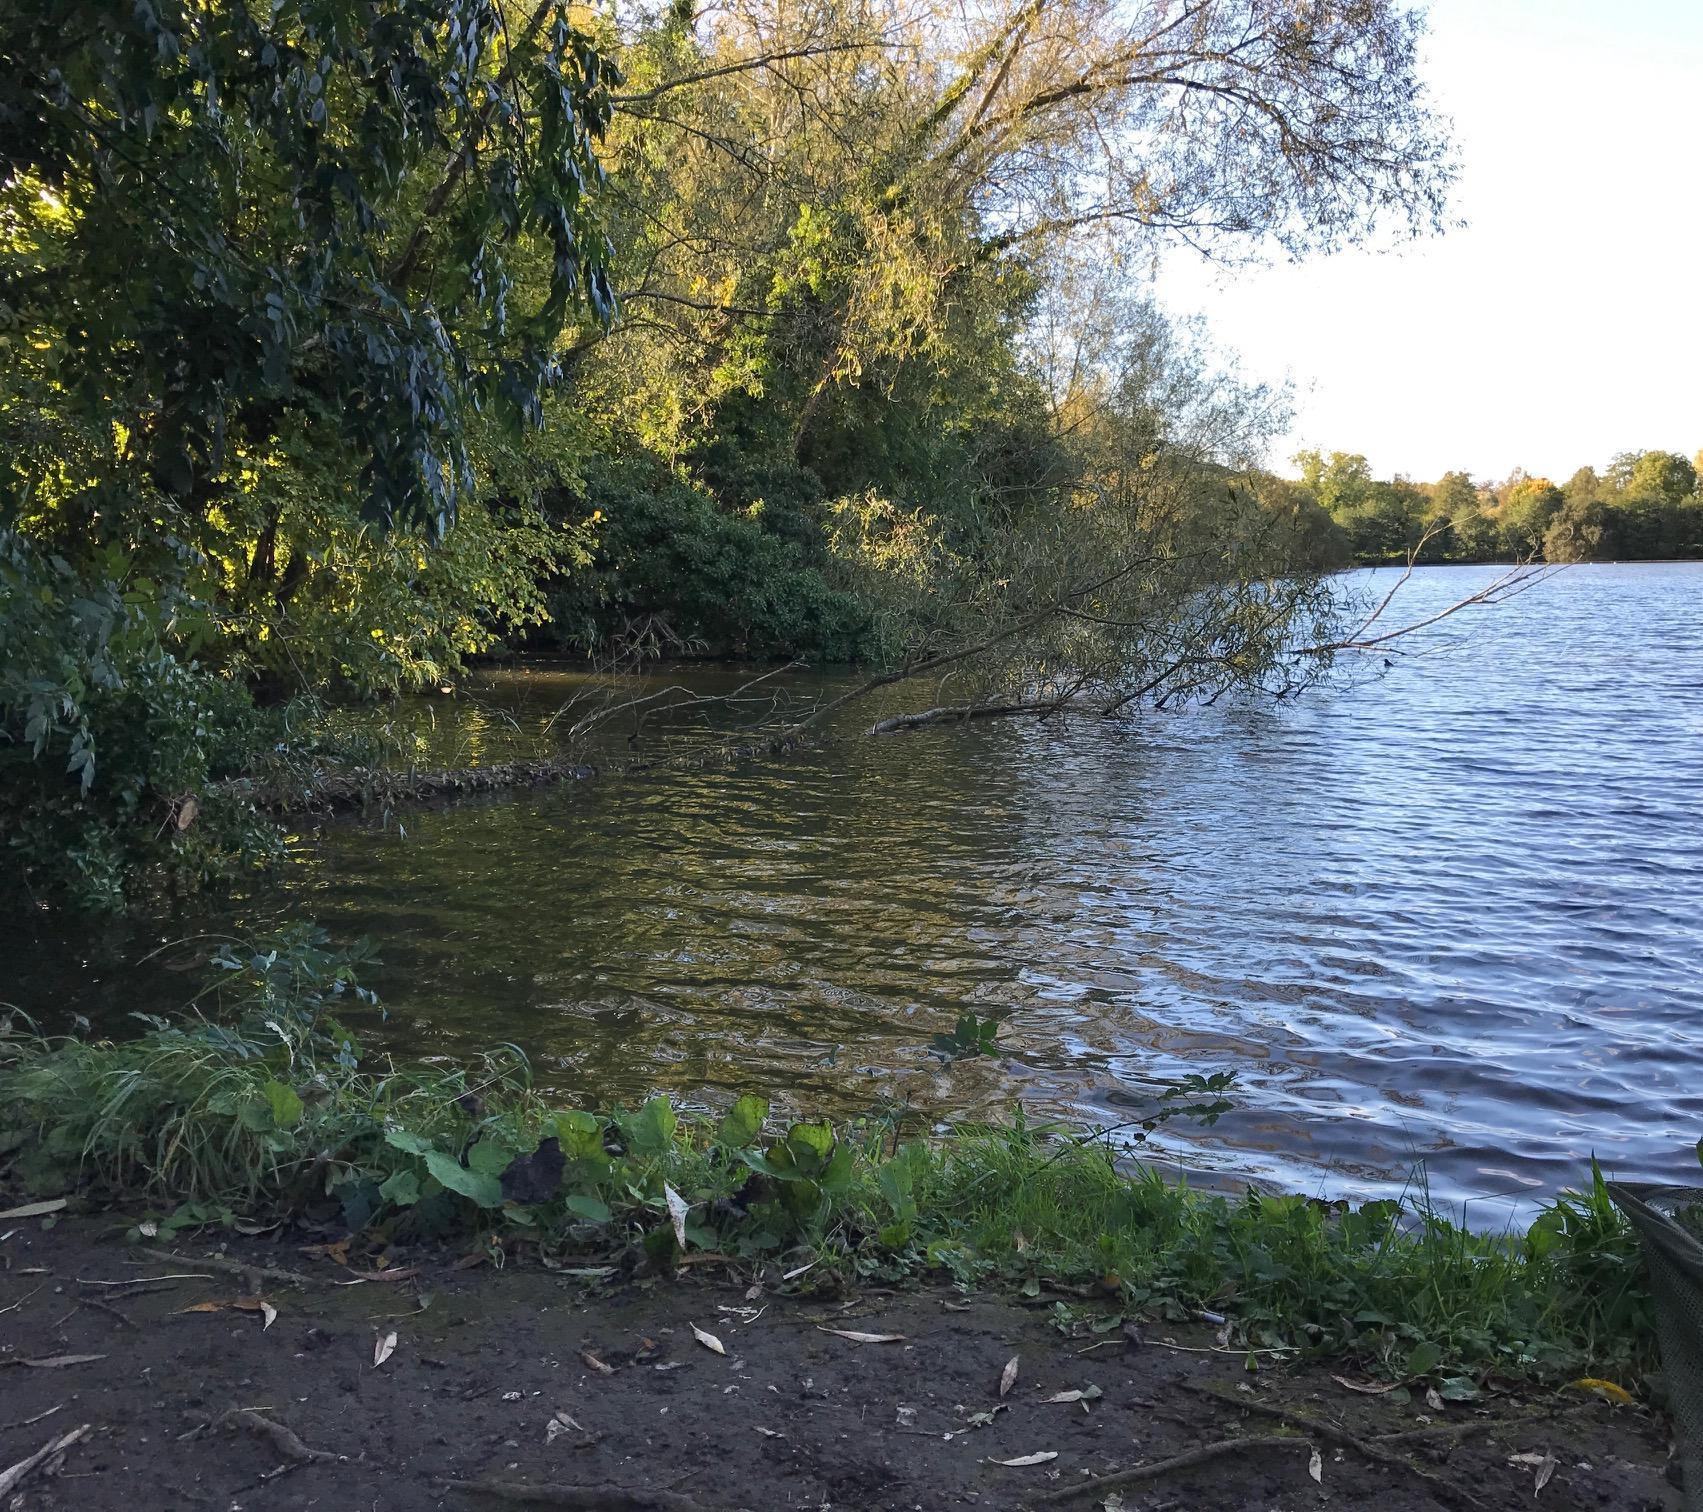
652	1129
476	1186
286	1105
1459	1389
409	1144
814	1138
402	1189
580	1136
1424	1358
744	1122
588	1207
836	1180
490	1157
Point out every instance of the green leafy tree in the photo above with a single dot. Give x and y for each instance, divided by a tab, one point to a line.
262	273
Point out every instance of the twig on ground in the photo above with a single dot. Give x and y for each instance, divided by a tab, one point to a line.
108	1309
1441	1485
239	1268
11	1479
1199	1455
14	1306
25	1422
576	1498
142	1280
1465	1429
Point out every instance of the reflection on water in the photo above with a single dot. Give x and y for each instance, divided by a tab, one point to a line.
1448	915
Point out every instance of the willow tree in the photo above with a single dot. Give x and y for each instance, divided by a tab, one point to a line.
846	232
264	272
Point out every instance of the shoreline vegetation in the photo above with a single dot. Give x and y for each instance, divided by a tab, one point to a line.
259	1108
339	353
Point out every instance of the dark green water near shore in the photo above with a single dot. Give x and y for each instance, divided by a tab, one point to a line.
1450	915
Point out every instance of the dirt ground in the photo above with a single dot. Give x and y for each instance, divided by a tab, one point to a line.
523	1386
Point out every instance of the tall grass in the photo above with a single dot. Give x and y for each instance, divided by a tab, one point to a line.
260	1104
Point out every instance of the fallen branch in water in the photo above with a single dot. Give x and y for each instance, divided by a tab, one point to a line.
959	713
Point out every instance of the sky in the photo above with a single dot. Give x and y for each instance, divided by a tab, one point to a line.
1564	323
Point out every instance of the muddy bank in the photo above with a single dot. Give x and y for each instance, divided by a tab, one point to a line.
595	1392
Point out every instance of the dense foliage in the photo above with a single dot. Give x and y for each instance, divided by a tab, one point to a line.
345	339
1643	506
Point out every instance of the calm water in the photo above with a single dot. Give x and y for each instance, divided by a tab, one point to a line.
1449	915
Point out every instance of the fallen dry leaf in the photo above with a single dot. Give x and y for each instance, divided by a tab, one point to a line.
402	1273
1605	1389
337	1254
237	1304
1433	1399
593	1363
708	1340
1316	1466
1542	1464
55	1362
796	1272
559	1424
1064	1398
862	1338
1019	1241
1028	1459
1366	1388
1008	1376
677	1211
1112	1503
35	1209
384	1349
770	1432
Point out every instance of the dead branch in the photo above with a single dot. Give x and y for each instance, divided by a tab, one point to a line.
237	1268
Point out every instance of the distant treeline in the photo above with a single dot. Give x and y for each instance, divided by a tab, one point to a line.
1643	505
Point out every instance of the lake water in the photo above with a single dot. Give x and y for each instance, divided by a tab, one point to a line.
1448	917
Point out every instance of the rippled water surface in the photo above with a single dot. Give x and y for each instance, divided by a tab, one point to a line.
1452	914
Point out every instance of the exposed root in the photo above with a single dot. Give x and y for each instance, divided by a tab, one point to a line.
1199	1455
576	1498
